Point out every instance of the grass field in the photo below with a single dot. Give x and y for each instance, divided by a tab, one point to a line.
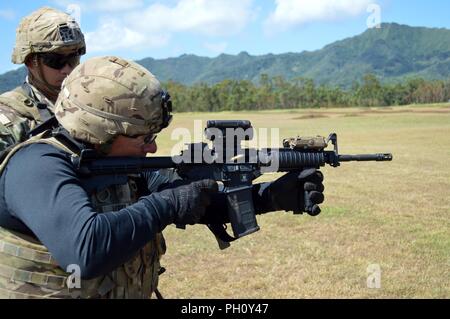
395	215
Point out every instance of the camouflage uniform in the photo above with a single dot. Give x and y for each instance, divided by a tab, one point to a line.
100	99
22	109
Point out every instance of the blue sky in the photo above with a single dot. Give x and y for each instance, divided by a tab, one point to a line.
136	29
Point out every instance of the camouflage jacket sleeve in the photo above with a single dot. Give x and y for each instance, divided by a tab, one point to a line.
13	127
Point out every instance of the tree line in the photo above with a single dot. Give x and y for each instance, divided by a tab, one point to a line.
278	93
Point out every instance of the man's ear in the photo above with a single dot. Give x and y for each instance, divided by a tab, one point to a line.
29	62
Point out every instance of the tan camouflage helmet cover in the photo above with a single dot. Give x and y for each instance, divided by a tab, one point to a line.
108	96
47	30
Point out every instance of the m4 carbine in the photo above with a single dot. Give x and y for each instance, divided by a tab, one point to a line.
232	167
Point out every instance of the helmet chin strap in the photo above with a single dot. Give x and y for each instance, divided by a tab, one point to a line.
50	91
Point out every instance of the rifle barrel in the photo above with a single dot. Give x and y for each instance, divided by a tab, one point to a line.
366	158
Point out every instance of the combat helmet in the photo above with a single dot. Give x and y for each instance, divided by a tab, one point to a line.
47	30
109	96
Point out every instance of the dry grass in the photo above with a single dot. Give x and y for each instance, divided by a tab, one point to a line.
393	214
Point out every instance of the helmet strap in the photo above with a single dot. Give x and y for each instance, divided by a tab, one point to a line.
39	82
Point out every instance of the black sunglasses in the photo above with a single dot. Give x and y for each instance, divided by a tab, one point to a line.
150	138
58	61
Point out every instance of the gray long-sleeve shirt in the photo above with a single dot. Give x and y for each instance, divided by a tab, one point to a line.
42	195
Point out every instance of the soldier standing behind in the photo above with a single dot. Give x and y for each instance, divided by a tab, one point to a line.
50	44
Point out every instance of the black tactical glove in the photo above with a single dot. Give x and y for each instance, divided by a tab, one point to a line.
189	201
295	191
217	211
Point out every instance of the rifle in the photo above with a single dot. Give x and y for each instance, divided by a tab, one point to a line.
233	168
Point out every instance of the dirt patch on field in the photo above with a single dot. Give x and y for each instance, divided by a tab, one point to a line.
363	112
411	111
311	116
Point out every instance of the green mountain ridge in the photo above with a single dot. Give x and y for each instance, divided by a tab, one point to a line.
391	52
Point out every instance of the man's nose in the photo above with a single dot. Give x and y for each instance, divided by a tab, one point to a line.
153	148
66	69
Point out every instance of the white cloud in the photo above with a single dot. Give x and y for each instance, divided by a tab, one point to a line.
115	5
112	35
210	17
154	25
101	5
216	48
7	14
290	13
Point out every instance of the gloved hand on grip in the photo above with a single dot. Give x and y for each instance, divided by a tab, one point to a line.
295	191
217	211
189	201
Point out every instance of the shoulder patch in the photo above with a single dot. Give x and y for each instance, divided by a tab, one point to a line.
4	119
